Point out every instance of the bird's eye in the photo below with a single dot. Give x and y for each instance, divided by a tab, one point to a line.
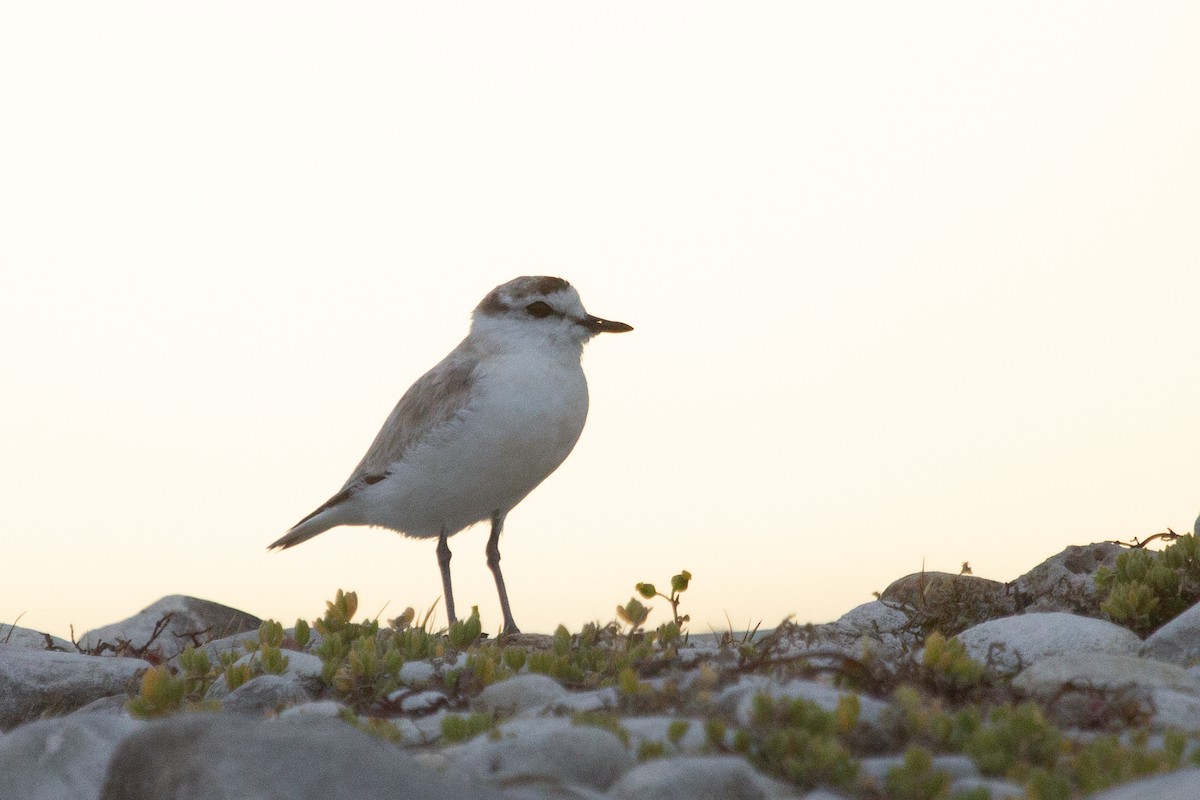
539	309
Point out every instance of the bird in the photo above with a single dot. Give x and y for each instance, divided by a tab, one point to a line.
479	431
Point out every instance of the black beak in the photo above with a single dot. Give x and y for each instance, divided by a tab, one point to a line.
597	325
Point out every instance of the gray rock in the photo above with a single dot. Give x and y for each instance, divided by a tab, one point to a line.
1066	582
1176	710
226	757
329	709
996	789
180	620
1048	677
60	758
12	636
527	692
657	730
593	700
1012	643
417	673
303	669
950	603
1181	785
697	778
36	683
423	702
548	751
265	693
873	732
1097	690
1177	642
957	767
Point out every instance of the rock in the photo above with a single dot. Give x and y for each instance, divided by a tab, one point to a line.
957	767
697	778
417	673
1066	582
330	709
1048	676
36	683
873	729
525	692
1181	785
12	636
995	788
303	669
222	757
423	702
950	603
180	621
1096	690
1010	644
593	700
265	693
656	730
543	750
60	758
1177	642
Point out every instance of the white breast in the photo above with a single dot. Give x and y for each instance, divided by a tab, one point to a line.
525	417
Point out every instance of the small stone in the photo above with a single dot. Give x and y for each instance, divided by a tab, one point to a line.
550	750
417	673
424	702
265	693
520	693
657	730
697	778
594	700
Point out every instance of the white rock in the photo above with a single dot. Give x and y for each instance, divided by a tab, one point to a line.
190	618
1174	709
301	758
38	682
528	692
1181	785
550	750
1012	643
1047	677
303	669
996	789
265	693
593	700
417	673
1177	642
60	758
12	636
316	708
657	730
697	778
423	702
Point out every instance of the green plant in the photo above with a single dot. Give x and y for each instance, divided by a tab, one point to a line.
1146	589
797	740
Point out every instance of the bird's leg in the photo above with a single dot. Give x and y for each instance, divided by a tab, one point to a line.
443	554
493	562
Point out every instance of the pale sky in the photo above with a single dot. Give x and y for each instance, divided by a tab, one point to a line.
912	284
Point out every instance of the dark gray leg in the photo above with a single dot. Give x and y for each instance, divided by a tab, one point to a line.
443	554
493	562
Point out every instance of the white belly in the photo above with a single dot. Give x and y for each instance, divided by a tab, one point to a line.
522	423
